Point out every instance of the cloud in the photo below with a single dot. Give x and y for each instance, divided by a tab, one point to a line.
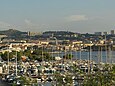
28	22
77	18
4	25
33	26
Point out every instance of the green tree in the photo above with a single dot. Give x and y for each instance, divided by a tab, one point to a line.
68	56
4	56
101	78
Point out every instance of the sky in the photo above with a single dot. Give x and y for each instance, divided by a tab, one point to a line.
83	16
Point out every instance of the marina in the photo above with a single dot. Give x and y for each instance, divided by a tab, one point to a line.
57	43
45	73
54	65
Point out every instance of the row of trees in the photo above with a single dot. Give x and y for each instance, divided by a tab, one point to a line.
31	55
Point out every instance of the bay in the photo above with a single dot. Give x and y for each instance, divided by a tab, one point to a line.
103	56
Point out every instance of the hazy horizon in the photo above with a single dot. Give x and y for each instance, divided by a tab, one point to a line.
80	16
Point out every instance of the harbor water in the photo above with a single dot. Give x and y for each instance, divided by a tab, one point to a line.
96	56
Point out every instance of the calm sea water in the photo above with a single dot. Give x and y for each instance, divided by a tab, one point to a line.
103	56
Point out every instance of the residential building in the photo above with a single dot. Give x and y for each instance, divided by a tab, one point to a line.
112	32
98	33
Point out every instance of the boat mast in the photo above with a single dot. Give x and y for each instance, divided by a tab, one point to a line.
16	63
105	50
8	60
101	55
90	58
42	54
110	55
80	52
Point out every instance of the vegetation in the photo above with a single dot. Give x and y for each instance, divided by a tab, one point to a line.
24	80
11	55
68	56
63	80
11	32
101	78
32	55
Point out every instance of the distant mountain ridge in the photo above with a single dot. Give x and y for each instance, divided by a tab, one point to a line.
11	32
60	35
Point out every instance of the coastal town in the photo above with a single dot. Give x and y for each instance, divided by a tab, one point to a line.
57	42
57	58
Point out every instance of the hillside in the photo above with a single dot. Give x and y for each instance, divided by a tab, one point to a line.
12	32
